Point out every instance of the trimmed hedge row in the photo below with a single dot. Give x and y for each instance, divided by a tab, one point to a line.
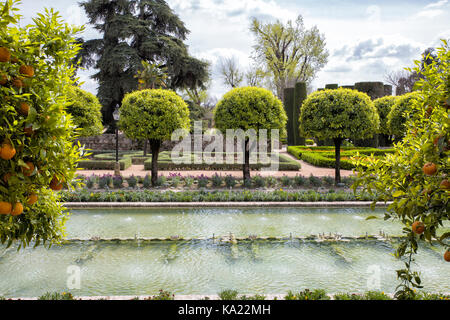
324	156
125	163
285	164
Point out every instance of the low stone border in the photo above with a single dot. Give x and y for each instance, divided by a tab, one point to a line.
236	204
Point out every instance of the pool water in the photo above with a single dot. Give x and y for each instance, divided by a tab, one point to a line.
207	267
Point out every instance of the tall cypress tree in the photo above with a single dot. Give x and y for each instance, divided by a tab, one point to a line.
136	30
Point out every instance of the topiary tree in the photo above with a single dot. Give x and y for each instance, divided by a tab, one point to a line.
37	153
384	106
299	97
289	96
86	111
374	90
339	114
399	113
416	176
332	86
153	114
250	108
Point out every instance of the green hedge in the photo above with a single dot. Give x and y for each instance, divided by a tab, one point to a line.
324	156
125	163
285	164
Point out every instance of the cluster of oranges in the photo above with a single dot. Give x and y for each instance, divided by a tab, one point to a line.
7	150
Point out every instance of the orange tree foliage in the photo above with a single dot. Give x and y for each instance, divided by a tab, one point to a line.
37	154
416	175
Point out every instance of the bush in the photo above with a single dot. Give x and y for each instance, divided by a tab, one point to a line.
329	181
147	181
85	110
300	181
132	181
161	181
384	106
188	181
271	181
56	296
202	181
309	142
175	179
162	295
314	181
308	295
228	295
286	181
104	182
230	181
117	182
374	90
91	181
125	163
258	181
217	180
396	118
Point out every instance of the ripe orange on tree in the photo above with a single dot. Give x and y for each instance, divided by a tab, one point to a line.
28	171
5	207
447	256
445	184
7	151
3	80
28	131
418	227
18	83
27	71
17	210
429	168
24	108
5	55
32	199
55	184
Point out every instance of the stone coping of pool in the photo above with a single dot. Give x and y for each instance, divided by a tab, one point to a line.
269	297
330	204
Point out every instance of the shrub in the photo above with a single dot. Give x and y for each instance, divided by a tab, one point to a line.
228	295
300	181
162	295
397	117
85	110
175	179
247	184
259	181
374	90
217	180
308	295
286	181
147	182
271	181
117	182
161	181
56	296
202	181
230	181
384	106
105	181
132	181
188	181
91	181
329	181
314	181
309	142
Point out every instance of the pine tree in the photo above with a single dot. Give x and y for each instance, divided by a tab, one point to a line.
136	30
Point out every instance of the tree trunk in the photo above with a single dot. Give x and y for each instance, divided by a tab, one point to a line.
155	146
337	155
145	147
246	167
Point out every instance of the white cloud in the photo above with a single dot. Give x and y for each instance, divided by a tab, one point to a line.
373	13
430	13
436	4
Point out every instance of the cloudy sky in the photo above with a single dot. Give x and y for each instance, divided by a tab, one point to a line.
365	39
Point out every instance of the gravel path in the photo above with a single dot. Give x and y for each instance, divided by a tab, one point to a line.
306	170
